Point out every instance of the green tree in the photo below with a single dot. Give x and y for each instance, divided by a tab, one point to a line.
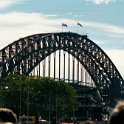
39	96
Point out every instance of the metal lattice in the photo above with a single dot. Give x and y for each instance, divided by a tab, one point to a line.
23	55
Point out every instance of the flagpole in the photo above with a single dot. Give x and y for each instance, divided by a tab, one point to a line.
63	25
77	29
78	24
62	28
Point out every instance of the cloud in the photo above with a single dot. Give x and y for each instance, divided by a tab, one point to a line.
105	27
20	24
8	3
14	25
117	57
101	1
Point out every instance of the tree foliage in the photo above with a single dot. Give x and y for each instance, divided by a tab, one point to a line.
38	96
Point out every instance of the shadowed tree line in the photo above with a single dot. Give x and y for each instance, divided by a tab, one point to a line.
38	96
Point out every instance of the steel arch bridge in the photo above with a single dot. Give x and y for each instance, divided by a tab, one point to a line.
23	55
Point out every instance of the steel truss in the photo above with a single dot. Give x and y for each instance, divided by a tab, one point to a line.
23	55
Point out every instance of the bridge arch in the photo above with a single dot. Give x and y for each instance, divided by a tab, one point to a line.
23	55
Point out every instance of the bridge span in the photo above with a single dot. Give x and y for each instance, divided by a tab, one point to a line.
66	56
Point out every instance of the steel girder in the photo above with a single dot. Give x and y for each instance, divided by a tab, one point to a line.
23	55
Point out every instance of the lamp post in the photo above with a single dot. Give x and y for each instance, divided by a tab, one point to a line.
56	111
28	105
20	100
1	92
20	95
49	109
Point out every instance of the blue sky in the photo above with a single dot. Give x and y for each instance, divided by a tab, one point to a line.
102	20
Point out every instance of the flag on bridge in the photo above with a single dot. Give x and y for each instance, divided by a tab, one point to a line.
79	24
65	25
